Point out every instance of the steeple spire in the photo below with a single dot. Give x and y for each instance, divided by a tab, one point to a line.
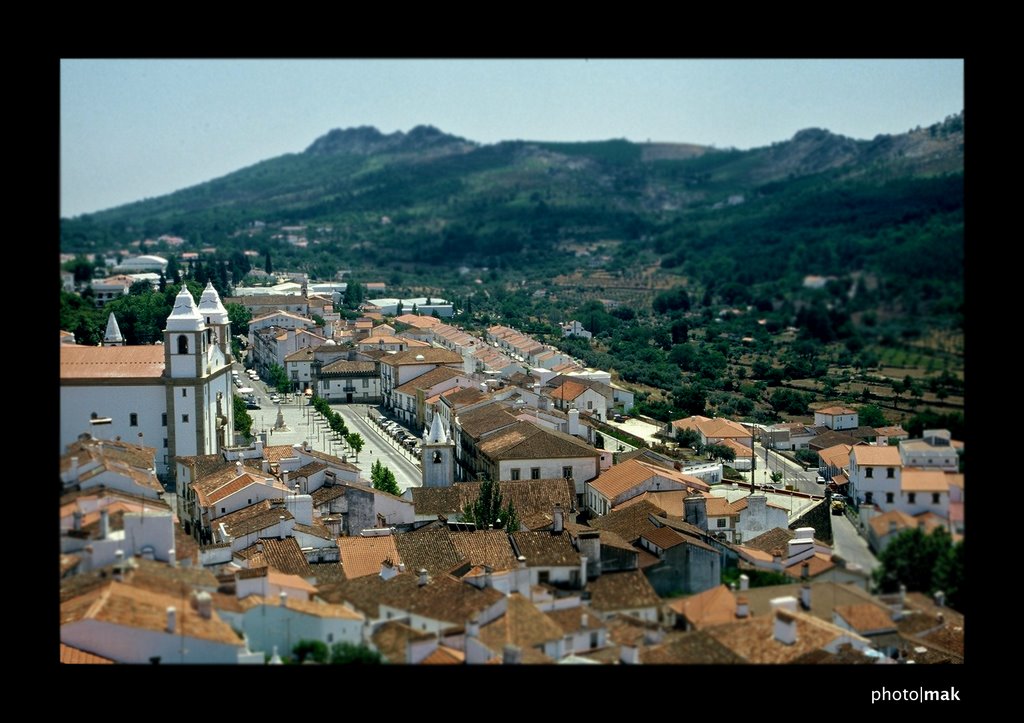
113	337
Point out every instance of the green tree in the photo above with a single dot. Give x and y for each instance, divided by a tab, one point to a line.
278	378
871	415
687	437
720	451
384	479
924	563
243	422
239	316
356	442
350	654
487	509
268	265
80	268
313	649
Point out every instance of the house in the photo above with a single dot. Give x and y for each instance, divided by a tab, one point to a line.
410	398
629	479
526	450
349	382
361	556
833	460
283	621
934	450
533	500
683	564
298	366
116	465
581	629
624	593
260	305
148	262
404	366
714	606
176	395
270	583
110	288
883	528
129	624
836	418
875	474
574	328
582	396
712	431
535	634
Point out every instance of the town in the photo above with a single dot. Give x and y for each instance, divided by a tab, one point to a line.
388	486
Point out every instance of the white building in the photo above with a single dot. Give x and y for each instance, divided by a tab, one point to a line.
836	418
176	397
139	264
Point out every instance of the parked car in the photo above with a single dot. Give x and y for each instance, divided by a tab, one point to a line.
252	405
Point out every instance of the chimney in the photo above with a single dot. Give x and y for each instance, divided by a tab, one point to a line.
275	659
171	614
284	477
940	598
584	620
744	582
903	595
423	577
283	598
119	565
401	567
280	527
473	627
387	569
742	607
204	605
265	466
104	524
892	527
511	655
574	422
785	627
172	557
805	572
77	517
556	519
73	472
805	596
488	577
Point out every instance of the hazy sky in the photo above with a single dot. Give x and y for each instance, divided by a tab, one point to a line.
132	129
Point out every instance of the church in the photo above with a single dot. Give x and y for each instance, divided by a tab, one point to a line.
176	397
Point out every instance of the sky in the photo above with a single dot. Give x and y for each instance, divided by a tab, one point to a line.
135	129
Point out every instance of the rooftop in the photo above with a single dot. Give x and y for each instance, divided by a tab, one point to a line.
529	441
365	555
622	591
111	362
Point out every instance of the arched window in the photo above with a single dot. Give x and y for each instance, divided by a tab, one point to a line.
437	457
183	344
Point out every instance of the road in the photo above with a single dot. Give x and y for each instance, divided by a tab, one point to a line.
304	424
793	474
849	545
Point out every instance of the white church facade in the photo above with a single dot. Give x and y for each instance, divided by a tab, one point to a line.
176	397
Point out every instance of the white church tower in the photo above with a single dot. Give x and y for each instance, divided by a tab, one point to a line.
218	326
438	456
112	337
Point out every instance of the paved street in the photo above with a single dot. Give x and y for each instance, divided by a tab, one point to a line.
305	425
849	545
769	461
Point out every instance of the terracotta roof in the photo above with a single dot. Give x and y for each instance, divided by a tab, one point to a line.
711	607
529	441
364	555
527	496
927	521
825	596
568	390
625	476
775	538
150	575
317	529
309	468
131	606
325	494
664	537
205	465
111	362
621	591
430	356
392	639
74	656
696	647
443	598
866	618
741	450
522	625
443	655
253	518
420	322
743	502
486	547
719	507
343	366
93	449
867	455
628	523
478	422
717	427
286	556
916	479
431	549
304	354
430	379
753	640
570	620
816	564
546	549
835	411
207	496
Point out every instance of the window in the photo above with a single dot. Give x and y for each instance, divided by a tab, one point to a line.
184	419
223	510
366	383
911	497
165	442
437	457
567	472
295	374
133	420
936	497
590	405
889	497
183	344
535	473
869	472
867	498
184	392
163	419
721	522
594	640
330	637
515	473
543	577
890	472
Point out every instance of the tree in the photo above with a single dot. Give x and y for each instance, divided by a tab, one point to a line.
268	266
487	509
384	479
720	451
312	649
355	441
278	378
687	437
924	563
776	476
243	422
348	653
239	316
80	268
870	415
